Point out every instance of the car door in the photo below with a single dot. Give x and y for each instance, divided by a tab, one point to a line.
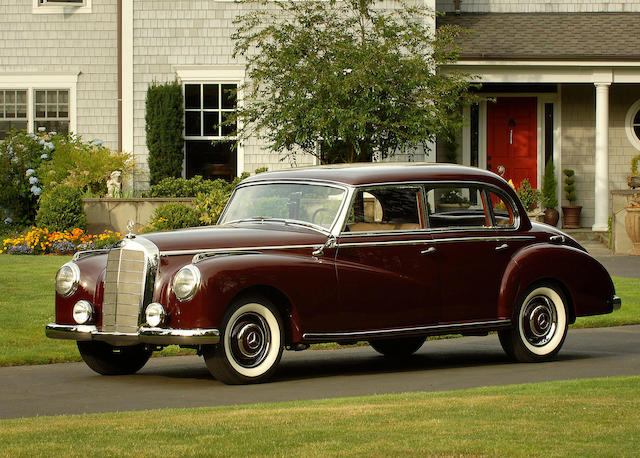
474	230
386	278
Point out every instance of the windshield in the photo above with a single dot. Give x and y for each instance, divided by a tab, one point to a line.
305	203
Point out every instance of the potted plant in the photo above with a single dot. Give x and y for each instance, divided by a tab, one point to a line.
633	180
549	194
632	223
571	213
530	198
453	199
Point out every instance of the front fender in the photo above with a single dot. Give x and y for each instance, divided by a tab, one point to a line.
585	281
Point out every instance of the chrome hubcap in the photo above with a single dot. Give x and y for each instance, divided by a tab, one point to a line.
539	320
250	340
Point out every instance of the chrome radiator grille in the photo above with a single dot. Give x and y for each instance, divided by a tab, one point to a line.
126	287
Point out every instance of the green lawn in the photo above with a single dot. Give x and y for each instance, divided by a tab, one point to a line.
592	417
27	305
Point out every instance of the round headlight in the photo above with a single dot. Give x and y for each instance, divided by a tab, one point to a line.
186	282
155	314
82	312
67	279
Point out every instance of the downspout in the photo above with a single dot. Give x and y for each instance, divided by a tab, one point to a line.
119	58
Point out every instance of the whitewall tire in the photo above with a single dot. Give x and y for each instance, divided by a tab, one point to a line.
251	343
540	328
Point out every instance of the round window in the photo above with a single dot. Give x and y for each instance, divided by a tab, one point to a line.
632	124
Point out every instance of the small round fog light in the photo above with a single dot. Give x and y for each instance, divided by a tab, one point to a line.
82	312
155	314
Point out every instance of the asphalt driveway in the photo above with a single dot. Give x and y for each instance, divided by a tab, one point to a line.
185	382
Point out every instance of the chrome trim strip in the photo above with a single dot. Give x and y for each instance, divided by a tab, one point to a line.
158	336
399	331
231	250
88	253
497	238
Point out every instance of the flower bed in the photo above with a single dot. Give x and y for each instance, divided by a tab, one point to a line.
41	241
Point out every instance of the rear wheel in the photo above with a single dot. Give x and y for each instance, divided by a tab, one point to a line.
106	359
541	326
250	345
405	346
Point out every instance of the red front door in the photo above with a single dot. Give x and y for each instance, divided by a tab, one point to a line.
512	139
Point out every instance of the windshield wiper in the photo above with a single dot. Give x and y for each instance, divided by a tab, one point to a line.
286	222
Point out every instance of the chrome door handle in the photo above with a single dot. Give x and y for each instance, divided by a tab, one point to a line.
556	239
429	250
504	246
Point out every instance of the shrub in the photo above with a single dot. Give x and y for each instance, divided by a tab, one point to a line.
21	155
82	165
164	125
549	186
569	186
528	196
173	216
61	209
180	187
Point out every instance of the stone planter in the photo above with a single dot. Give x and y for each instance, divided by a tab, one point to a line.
571	217
632	225
551	216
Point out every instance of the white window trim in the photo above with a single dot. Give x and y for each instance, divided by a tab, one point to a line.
69	8
232	74
628	127
31	82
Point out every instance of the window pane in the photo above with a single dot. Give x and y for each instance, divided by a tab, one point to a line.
192	123
6	126
61	127
10	110
21	111
52	97
456	207
63	96
386	208
636	118
1	99
52	111
211	122
210	96
230	129
63	111
10	97
21	97
192	96
229	95
210	159
40	113
40	96
636	129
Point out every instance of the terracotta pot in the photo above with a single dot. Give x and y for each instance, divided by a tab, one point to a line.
571	217
551	216
633	181
632	225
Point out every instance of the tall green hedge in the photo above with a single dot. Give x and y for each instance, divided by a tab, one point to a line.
164	125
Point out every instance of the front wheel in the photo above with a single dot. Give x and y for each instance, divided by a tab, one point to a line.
106	359
250	345
541	326
397	348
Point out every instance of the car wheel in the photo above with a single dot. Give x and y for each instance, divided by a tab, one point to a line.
251	343
405	346
106	359
541	326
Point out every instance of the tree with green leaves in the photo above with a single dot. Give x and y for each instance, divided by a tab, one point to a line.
549	186
164	125
347	80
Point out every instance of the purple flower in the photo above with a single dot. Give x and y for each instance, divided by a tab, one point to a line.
30	172
97	142
36	190
33	180
48	145
8	221
44	156
42	129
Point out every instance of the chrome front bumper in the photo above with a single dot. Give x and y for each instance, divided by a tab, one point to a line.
158	336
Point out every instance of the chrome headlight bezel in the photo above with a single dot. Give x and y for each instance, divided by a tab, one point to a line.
85	307
71	284
186	283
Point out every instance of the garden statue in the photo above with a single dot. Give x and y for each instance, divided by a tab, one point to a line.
114	184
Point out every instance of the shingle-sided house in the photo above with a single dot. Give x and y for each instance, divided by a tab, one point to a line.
565	80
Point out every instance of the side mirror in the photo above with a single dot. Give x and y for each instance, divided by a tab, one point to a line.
330	243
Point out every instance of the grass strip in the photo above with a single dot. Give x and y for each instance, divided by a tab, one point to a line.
27	305
590	417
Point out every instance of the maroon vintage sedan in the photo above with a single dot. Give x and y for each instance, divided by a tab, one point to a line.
389	254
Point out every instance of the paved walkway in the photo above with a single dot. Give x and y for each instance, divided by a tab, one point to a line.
618	266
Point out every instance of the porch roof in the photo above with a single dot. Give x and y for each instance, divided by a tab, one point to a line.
548	36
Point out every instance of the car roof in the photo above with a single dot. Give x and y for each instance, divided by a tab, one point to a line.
375	173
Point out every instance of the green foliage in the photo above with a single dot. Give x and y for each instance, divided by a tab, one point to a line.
21	155
209	206
164	125
173	216
453	196
60	209
355	78
549	186
528	196
635	163
569	186
85	166
180	187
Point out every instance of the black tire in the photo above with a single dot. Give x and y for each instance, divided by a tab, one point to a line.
106	359
397	348
540	326
251	343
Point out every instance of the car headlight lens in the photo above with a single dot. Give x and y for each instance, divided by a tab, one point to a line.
67	279
186	282
155	314
82	312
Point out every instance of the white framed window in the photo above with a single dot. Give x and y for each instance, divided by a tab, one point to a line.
632	124
29	101
211	97
61	6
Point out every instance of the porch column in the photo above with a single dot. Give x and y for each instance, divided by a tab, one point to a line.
602	157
